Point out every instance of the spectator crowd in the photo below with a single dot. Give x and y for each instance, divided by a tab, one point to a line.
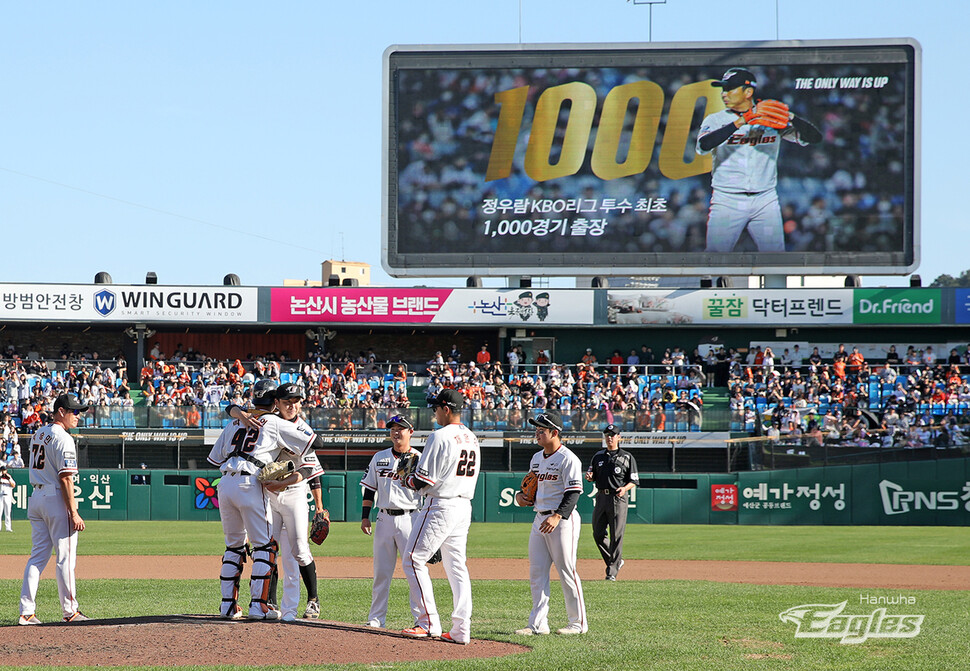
908	400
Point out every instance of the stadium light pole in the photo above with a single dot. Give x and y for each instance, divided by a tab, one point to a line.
651	3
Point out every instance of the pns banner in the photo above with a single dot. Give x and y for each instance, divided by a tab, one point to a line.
429	305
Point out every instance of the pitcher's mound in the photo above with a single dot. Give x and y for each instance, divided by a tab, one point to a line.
206	640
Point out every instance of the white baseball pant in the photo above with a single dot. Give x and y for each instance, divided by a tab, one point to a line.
291	512
6	510
391	534
731	213
50	528
557	547
245	511
441	523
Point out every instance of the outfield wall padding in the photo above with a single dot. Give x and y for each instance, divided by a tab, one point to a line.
919	493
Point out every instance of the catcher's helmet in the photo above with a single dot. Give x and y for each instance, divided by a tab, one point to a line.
264	392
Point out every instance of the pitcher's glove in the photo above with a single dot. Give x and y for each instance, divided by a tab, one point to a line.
771	113
406	467
275	470
530	483
320	527
436	557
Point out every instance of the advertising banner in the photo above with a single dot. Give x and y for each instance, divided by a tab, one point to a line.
898	306
729	306
109	303
468	307
962	306
584	159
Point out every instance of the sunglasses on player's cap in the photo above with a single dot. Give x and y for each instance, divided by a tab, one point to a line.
400	420
547	421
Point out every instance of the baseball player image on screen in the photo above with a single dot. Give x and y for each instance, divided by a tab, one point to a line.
745	140
52	510
554	538
446	475
396	506
240	452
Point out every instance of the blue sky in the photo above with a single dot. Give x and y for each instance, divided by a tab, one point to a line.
197	139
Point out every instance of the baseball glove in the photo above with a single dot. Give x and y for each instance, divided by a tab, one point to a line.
275	470
530	483
436	557
771	113
320	527
406	467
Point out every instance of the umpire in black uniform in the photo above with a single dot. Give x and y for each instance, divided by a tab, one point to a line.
615	473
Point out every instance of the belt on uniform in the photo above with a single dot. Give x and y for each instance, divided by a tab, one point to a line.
394	512
234	473
607	491
546	512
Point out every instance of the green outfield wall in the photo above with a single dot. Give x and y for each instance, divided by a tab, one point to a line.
901	493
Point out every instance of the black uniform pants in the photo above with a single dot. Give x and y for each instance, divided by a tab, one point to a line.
609	523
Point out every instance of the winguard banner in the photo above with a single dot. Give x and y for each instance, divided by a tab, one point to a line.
95	303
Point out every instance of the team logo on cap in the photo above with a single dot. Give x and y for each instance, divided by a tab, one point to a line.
105	302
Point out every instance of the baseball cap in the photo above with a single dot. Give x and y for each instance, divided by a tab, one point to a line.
736	77
611	430
449	398
400	420
289	390
547	420
68	402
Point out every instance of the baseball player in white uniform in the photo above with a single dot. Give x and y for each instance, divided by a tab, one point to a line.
290	509
555	531
244	504
7	486
446	475
396	507
52	510
744	171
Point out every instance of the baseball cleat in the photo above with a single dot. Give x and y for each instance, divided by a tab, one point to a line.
270	614
571	629
76	617
416	632
447	638
234	615
529	631
28	619
289	617
312	609
375	624
611	578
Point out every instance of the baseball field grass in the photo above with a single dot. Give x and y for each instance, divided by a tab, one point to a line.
633	624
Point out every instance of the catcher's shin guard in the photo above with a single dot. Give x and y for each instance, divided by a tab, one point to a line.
264	561
232	568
